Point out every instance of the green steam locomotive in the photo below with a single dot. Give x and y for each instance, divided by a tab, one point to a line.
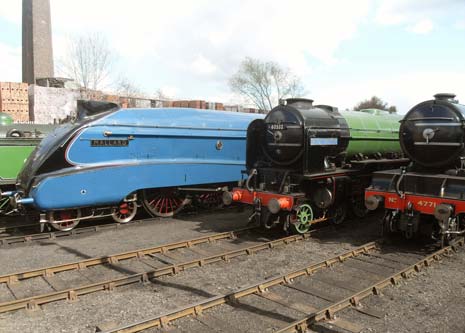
17	141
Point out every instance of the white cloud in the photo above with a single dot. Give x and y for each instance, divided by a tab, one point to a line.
460	25
179	42
220	34
390	12
404	12
10	63
402	90
11	10
422	27
201	65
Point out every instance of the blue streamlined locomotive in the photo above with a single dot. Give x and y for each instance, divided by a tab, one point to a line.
112	158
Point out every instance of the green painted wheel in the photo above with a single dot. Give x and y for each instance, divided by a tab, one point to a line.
4	204
304	218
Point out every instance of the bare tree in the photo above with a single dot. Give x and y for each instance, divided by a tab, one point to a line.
124	87
375	103
161	95
88	61
265	83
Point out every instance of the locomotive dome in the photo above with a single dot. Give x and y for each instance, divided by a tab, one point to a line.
432	132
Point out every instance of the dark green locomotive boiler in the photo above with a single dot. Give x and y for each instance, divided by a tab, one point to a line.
307	164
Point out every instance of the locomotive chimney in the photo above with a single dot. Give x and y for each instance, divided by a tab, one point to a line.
445	97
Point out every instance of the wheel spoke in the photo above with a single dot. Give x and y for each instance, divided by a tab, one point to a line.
304	218
163	202
158	202
125	212
57	216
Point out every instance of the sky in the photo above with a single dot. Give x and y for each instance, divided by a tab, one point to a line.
402	51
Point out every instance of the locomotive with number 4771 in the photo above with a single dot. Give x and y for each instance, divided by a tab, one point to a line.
428	196
311	163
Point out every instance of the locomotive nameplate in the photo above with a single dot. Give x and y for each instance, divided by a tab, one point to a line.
323	142
109	143
276	126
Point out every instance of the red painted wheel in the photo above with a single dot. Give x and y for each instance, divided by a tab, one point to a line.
70	219
163	202
125	212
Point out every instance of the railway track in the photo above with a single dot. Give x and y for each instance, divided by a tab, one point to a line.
295	301
27	237
14	223
33	237
15	227
167	259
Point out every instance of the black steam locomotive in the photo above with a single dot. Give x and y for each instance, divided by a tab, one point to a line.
428	196
307	164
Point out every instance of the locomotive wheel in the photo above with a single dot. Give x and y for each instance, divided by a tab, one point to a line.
125	212
445	239
163	202
14	133
340	213
358	208
304	218
267	219
389	225
74	216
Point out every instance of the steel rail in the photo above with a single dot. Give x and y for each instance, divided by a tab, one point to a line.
114	258
72	293
353	300
73	232
197	308
11	227
57	234
9	240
